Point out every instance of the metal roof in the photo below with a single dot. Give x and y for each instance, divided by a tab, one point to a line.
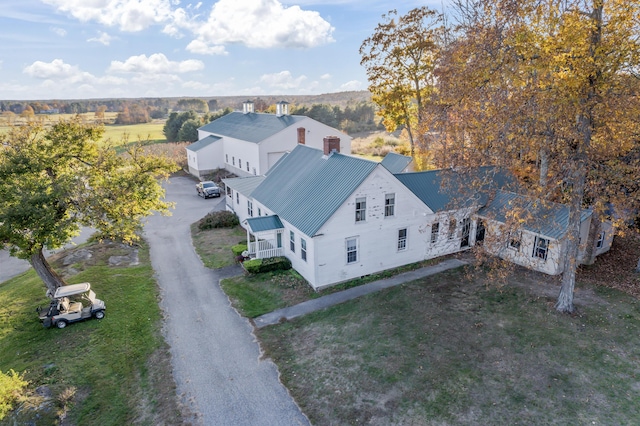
307	187
450	189
251	127
244	185
204	142
264	223
395	163
548	219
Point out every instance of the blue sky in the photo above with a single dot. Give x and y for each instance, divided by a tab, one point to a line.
80	49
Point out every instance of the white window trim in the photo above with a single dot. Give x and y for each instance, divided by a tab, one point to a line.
303	249
515	237
600	240
362	217
402	243
391	206
292	242
537	246
356	251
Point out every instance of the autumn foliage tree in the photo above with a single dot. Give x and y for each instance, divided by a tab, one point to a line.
548	89
400	58
52	181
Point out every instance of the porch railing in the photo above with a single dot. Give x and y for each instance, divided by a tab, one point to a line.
264	249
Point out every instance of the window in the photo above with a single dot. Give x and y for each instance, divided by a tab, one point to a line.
352	250
230	193
237	197
233	160
249	208
292	241
226	158
254	170
402	239
540	248
515	241
389	204
239	163
259	212
303	249
361	209
452	227
435	230
247	166
600	241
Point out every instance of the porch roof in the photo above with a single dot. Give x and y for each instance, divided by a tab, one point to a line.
264	223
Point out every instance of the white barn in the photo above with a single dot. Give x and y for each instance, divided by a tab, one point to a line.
249	144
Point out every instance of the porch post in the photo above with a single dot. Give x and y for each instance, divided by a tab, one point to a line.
248	240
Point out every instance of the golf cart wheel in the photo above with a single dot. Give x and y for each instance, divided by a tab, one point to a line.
46	323
61	324
98	314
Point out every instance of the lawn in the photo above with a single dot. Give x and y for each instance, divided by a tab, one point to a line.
214	246
111	371
446	350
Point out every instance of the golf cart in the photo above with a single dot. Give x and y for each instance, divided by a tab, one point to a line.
71	303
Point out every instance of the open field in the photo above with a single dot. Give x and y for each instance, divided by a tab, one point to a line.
111	371
116	133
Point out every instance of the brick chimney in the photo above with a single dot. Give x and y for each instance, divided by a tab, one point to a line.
302	135
331	144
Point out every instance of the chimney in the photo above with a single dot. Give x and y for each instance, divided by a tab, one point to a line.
301	135
247	107
282	108
331	144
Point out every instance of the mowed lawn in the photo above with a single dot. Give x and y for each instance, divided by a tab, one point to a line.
448	350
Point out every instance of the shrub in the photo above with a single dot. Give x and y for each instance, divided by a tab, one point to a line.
259	266
11	391
238	249
221	219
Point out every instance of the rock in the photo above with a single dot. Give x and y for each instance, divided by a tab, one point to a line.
77	256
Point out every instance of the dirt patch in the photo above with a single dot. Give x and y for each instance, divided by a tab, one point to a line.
71	261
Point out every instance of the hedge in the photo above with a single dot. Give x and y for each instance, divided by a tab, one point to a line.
238	249
259	266
219	219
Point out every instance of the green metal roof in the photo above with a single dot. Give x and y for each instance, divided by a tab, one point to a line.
307	187
204	142
449	189
264	223
395	163
244	185
548	219
251	127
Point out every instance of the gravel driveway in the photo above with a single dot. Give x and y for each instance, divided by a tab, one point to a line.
216	358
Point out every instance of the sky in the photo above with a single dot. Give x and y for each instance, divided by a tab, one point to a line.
84	49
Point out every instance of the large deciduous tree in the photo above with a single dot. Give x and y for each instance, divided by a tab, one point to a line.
549	89
400	58
52	181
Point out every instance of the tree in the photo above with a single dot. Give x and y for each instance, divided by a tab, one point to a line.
174	123
546	88
400	58
189	131
52	181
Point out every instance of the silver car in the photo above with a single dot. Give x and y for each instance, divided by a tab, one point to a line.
207	189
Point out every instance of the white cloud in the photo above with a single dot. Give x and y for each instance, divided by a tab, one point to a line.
198	46
55	69
283	80
58	31
262	24
325	77
351	85
103	38
155	64
128	15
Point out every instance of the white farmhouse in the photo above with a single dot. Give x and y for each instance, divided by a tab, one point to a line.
249	144
339	217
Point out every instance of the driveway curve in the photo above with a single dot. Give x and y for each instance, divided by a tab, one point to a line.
216	359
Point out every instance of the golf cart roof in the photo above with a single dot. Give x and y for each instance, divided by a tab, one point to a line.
70	290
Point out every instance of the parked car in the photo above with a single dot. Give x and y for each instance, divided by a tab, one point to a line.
207	189
71	303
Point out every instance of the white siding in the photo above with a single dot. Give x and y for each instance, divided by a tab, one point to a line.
205	159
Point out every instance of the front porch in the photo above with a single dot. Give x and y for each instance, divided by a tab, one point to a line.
266	233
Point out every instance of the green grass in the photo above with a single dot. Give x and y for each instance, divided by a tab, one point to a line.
146	131
445	350
104	363
214	245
